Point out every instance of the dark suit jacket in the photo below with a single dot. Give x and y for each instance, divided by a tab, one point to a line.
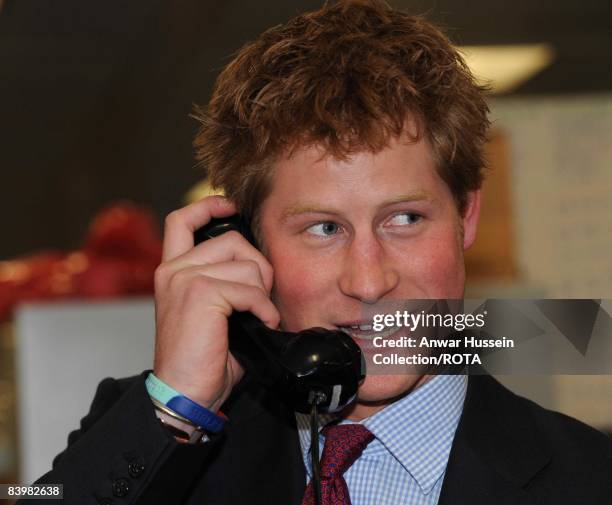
507	450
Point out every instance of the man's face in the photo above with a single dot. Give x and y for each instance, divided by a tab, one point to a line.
375	227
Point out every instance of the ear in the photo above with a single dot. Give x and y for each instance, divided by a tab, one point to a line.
470	218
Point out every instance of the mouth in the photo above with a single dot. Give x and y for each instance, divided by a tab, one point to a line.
365	331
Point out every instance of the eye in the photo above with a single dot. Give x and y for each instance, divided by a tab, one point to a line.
405	218
324	229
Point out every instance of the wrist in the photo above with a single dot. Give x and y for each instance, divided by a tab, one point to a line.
183	408
182	432
189	389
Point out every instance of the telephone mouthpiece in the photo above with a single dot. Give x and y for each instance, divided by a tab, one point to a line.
316	364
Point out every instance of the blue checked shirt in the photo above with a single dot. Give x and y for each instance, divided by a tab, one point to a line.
406	461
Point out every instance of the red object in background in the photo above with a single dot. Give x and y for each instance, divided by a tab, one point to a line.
119	257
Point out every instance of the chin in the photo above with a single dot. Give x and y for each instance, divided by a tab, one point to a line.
383	389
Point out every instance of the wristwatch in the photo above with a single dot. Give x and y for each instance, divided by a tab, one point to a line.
184	432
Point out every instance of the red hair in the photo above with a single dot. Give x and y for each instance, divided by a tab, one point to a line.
347	76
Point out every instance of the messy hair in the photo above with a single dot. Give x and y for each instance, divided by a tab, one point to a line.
346	77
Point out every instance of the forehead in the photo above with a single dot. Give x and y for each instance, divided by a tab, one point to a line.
310	177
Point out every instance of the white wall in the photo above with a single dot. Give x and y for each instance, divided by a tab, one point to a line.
561	166
561	179
62	352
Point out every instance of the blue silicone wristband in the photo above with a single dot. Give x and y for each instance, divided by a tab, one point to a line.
190	410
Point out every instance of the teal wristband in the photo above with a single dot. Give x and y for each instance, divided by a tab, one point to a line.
160	390
185	407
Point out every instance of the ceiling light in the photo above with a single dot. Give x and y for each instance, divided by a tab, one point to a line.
506	67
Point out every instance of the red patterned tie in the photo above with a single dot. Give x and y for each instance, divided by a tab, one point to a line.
343	445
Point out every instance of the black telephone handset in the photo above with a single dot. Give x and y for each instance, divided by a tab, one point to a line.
316	365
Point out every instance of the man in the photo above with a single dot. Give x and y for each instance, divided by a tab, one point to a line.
352	138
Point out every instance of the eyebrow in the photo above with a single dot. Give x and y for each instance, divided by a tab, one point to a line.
313	208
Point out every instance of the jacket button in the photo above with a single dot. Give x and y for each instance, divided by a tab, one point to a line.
121	487
136	469
105	501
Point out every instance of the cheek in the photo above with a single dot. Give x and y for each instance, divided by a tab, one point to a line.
437	269
299	288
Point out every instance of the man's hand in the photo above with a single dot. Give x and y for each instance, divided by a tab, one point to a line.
196	290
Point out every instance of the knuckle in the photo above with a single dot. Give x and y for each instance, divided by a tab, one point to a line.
267	269
258	292
198	285
251	266
172	218
177	279
233	236
160	274
173	280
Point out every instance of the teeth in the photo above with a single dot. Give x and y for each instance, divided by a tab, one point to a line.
362	327
367	327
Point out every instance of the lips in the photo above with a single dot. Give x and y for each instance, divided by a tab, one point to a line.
365	332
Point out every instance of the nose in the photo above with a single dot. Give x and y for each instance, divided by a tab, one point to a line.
367	274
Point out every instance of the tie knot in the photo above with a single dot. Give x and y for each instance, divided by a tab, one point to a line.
343	445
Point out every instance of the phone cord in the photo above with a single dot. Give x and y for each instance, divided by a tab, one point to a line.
314	453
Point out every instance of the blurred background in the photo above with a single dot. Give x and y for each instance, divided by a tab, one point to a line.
96	133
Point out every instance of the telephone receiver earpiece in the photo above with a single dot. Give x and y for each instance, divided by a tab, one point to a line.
315	365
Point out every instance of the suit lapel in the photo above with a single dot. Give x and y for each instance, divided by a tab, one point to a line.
496	450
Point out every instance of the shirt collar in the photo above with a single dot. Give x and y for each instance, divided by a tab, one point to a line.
417	430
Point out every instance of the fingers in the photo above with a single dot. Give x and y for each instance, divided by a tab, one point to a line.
242	298
231	246
181	223
223	296
245	272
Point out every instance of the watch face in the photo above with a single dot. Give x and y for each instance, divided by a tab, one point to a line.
181	431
